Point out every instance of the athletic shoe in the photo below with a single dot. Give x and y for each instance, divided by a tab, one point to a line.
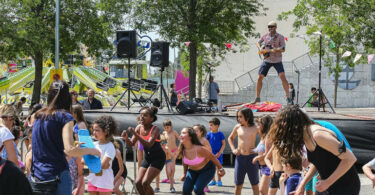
173	190
219	183
165	181
257	100
206	189
212	183
156	190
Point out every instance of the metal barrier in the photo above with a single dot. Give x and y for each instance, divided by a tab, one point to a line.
249	78
123	144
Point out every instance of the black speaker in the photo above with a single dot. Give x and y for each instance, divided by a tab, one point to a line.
186	107
159	54
126	44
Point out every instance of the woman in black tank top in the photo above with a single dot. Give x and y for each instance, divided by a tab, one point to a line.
292	129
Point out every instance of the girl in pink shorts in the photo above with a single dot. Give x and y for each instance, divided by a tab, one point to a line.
103	182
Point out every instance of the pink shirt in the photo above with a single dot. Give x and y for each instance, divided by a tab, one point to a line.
276	41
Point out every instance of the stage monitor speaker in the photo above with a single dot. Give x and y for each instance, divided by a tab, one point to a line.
126	44
159	54
186	107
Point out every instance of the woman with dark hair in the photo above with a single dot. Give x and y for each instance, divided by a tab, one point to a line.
154	156
330	157
74	95
52	141
201	162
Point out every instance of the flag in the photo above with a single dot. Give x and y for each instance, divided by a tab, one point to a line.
187	44
357	57
206	45
370	58
332	45
286	38
346	54
229	45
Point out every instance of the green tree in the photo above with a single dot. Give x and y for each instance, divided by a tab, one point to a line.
325	17
27	28
361	14
196	21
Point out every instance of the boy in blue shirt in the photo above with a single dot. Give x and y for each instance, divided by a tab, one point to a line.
217	142
291	177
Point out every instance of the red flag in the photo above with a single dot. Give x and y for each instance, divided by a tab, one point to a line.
187	44
229	45
286	38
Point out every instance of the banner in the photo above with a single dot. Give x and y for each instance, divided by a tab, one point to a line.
346	54
370	58
357	57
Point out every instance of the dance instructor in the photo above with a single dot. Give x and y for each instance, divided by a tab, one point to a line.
200	161
292	129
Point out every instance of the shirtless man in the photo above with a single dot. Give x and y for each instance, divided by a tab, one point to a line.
273	162
246	131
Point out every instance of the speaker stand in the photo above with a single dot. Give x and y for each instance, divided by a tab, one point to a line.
128	91
162	91
320	92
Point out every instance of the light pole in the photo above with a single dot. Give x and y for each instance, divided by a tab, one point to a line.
57	34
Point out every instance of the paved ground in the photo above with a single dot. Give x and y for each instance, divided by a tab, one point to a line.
228	182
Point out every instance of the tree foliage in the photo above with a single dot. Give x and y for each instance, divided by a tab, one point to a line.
196	21
327	18
27	28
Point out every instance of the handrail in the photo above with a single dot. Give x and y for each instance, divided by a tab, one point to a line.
294	68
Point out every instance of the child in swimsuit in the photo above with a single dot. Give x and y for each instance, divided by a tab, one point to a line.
246	132
171	137
264	124
169	165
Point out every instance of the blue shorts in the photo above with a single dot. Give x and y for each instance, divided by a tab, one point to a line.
264	170
243	165
220	158
265	67
168	161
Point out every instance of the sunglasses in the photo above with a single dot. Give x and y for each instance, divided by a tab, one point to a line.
271	26
12	118
74	94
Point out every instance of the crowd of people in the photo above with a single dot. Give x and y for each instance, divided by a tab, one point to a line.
295	155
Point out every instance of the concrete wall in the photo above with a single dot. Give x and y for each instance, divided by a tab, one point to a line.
361	96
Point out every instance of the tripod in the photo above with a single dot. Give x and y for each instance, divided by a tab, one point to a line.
128	90
320	92
162	91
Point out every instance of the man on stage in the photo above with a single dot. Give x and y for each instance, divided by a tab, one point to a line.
274	45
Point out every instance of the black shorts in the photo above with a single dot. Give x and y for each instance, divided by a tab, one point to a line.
275	179
265	67
154	162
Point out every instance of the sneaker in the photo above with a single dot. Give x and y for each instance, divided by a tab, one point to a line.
173	190
206	189
212	183
156	190
219	183
257	100
165	181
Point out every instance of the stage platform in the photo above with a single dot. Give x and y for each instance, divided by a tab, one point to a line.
357	124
